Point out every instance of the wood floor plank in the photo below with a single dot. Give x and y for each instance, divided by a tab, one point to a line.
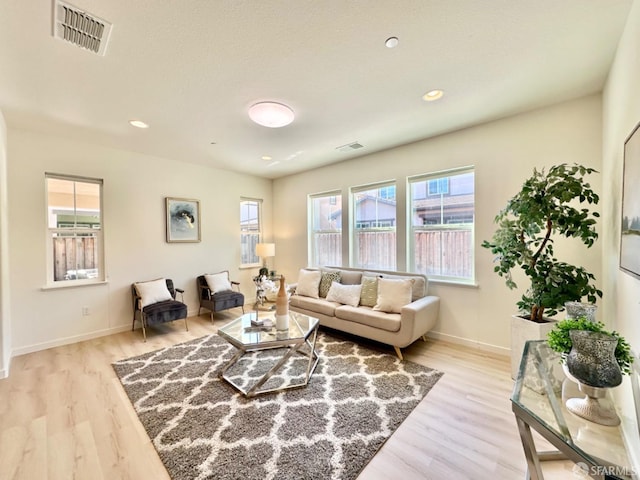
63	414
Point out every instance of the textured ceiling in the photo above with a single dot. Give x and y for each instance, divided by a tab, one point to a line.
192	68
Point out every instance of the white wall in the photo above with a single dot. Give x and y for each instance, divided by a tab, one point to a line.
621	112
135	187
5	317
504	153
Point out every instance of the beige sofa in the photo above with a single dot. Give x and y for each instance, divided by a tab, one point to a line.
398	328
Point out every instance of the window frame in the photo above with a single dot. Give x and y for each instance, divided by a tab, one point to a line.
258	234
441	227
354	259
332	197
91	230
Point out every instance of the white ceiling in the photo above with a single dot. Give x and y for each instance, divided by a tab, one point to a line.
191	69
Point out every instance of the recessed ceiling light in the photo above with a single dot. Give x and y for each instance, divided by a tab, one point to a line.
432	95
138	124
391	42
271	114
266	157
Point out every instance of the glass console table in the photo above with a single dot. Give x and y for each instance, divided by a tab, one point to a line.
538	402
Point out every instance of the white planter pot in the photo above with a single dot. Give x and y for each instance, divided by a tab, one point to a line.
523	330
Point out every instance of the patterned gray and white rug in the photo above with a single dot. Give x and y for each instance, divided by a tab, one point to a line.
204	429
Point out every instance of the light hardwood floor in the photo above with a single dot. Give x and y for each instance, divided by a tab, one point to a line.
64	415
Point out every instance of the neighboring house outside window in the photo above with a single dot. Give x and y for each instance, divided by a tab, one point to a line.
250	231
373	226
325	227
74	230
442	225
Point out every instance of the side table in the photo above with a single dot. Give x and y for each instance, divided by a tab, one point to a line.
538	402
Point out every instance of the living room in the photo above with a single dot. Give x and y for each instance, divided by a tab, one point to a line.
590	130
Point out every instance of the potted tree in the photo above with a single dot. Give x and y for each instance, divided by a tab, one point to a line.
551	204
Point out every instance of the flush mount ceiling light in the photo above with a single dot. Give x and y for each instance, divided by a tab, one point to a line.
138	124
267	157
391	42
432	95
271	114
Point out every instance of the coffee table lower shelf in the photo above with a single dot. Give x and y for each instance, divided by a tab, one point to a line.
289	343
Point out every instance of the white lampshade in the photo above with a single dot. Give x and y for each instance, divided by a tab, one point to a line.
264	250
271	114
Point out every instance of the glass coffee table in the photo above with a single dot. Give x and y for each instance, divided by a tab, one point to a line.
262	347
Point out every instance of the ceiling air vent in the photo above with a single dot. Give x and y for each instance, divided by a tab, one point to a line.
80	28
349	147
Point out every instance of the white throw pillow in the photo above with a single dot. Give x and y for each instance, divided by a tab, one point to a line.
344	294
308	283
153	291
393	295
218	282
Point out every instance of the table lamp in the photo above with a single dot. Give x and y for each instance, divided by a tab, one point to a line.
264	250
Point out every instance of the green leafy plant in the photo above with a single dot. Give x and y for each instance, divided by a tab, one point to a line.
544	209
560	340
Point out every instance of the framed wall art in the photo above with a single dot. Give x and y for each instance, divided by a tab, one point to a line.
630	231
183	220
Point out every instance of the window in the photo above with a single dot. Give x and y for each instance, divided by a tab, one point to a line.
326	229
373	234
442	219
74	230
439	186
250	231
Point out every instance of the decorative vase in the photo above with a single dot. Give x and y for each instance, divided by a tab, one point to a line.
592	359
579	309
282	307
593	364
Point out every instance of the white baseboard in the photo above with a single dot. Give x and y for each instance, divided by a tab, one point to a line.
68	340
485	347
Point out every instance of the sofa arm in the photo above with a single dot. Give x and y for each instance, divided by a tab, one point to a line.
420	316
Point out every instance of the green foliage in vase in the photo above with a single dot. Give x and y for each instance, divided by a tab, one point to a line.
560	340
545	208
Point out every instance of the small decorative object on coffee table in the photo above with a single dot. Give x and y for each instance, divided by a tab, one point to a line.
299	338
282	307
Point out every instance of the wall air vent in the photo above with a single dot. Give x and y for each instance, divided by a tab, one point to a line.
349	147
80	28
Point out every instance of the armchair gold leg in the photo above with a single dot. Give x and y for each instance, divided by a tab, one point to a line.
186	324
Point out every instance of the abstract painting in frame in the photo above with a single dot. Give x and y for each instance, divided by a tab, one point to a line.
630	231
183	220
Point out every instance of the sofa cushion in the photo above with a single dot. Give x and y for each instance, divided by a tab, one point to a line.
366	316
393	294
347	277
309	283
418	288
328	277
344	294
318	305
369	292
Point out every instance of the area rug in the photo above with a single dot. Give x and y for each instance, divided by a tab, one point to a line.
203	428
